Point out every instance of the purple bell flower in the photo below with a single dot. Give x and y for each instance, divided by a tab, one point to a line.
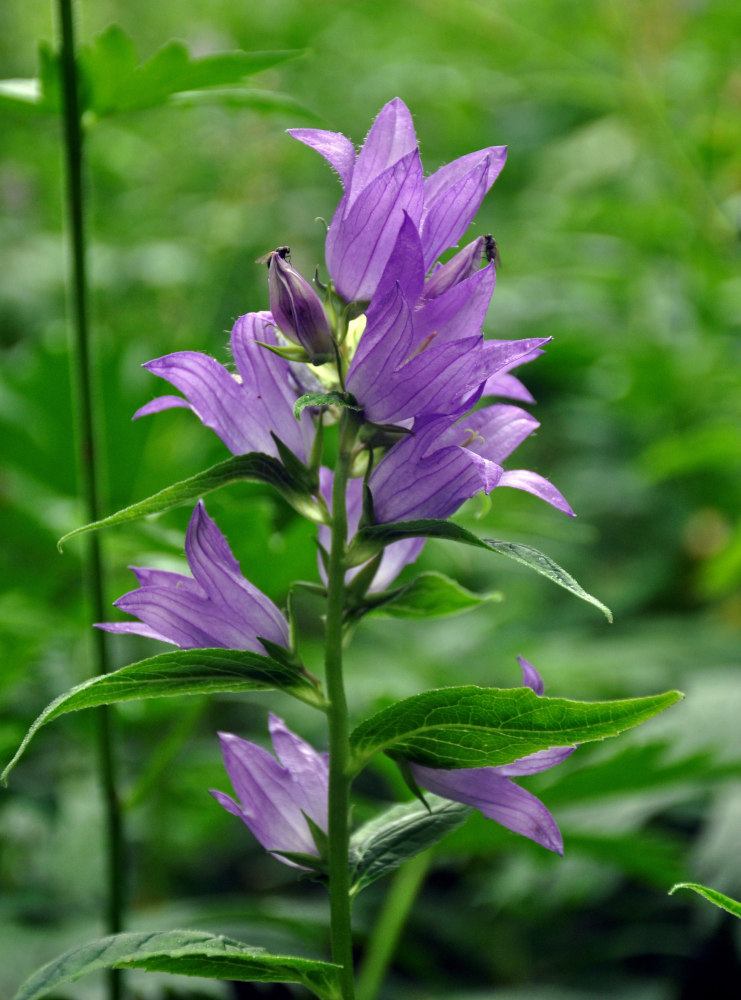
241	408
494	794
215	608
430	473
298	311
385	181
274	796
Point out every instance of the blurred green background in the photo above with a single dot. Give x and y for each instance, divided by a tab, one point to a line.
617	217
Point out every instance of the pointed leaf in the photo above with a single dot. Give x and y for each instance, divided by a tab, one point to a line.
254	467
342	399
116	82
429	595
182	671
374	537
185	953
479	727
398	834
724	902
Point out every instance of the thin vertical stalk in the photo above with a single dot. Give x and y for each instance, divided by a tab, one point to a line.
87	465
389	925
339	744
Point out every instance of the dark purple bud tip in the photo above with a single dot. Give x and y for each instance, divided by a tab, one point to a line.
298	310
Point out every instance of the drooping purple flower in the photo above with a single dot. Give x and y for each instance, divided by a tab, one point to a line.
431	472
241	408
298	311
215	608
493	793
274	796
385	181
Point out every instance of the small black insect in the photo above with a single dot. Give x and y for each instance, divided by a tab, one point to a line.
283	252
491	251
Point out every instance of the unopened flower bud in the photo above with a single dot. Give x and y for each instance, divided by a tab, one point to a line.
298	310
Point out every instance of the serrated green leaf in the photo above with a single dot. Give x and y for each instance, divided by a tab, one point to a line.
182	671
253	467
116	82
398	834
185	953
429	595
342	399
479	727
370	539
724	902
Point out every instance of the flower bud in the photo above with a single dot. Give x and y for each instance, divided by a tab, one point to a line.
298	310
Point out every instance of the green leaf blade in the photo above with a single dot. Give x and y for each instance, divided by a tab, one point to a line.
182	952
712	895
482	727
430	594
371	539
398	834
180	672
252	467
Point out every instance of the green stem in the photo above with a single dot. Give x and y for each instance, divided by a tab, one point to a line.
87	467
387	929
339	745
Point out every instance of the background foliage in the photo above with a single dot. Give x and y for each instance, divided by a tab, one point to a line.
617	218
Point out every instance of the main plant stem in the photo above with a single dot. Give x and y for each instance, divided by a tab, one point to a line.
88	469
339	745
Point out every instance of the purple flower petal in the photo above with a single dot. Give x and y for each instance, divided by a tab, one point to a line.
242	410
493	432
463	265
216	608
509	387
498	798
309	770
333	146
276	796
453	195
390	140
536	762
418	479
363	230
530	676
531	482
267	797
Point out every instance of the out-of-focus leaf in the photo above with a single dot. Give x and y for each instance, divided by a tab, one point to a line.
479	727
115	82
724	902
634	769
185	953
266	101
398	834
183	671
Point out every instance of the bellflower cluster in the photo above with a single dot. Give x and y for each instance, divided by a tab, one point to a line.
276	796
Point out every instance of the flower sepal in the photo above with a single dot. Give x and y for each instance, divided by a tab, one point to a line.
315	867
292	352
